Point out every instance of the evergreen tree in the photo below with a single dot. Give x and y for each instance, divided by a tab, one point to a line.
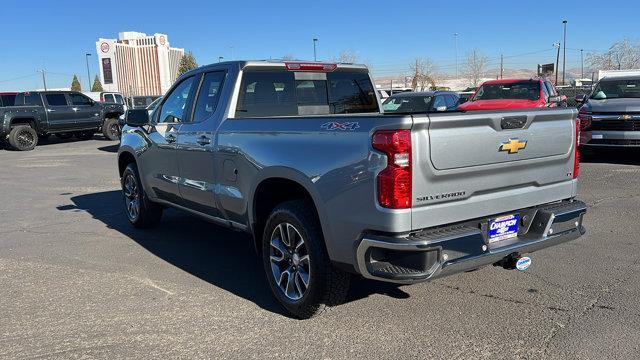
187	62
75	84
97	86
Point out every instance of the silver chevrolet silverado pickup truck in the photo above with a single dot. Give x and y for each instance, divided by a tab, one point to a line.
300	156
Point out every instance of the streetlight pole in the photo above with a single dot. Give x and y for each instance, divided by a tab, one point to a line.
86	57
315	41
455	41
557	45
564	55
582	65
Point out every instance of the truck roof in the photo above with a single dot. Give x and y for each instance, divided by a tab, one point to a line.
621	77
276	64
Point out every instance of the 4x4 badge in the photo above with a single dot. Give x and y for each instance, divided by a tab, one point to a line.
513	145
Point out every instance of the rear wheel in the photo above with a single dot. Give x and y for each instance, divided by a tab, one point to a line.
111	129
23	138
84	135
296	262
64	135
141	212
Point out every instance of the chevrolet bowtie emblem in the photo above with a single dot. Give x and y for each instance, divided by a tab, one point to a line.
513	145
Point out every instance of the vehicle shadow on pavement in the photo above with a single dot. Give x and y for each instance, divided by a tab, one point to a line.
221	257
615	156
110	148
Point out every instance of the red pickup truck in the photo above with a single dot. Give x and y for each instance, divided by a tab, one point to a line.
514	94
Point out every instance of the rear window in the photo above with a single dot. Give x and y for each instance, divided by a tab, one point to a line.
56	99
278	93
526	90
28	99
109	98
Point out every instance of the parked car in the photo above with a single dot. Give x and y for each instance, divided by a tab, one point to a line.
142	102
300	156
610	115
39	114
107	97
7	98
514	94
423	101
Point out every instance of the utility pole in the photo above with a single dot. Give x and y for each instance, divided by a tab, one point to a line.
564	55
557	45
501	65
231	47
455	41
44	81
86	57
315	40
391	88
581	66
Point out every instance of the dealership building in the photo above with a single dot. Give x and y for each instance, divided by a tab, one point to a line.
138	64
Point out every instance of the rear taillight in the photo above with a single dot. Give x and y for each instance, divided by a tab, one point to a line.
394	182
584	119
576	161
101	98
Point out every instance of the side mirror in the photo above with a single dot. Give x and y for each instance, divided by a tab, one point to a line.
441	108
580	99
136	117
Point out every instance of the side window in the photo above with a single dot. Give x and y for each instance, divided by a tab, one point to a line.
439	101
209	95
56	99
552	90
175	105
266	93
109	98
119	99
79	99
451	100
350	93
545	91
32	99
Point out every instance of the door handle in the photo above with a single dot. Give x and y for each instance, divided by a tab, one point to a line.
50	110
170	138
203	140
74	109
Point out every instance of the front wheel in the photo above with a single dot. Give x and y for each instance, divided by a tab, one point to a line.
141	212
296	262
111	129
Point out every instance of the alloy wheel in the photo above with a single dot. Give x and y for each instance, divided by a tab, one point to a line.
131	196
25	139
289	259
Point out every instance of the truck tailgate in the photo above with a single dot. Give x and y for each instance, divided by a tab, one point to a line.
474	164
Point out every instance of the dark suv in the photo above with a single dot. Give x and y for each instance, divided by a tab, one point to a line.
39	114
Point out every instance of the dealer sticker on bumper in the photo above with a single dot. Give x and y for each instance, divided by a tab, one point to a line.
502	228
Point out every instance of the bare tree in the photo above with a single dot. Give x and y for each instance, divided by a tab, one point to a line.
346	56
622	55
475	67
288	57
423	73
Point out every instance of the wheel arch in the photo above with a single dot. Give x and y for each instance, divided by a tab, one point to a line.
277	185
24	120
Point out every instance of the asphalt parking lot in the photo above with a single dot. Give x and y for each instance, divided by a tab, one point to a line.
78	282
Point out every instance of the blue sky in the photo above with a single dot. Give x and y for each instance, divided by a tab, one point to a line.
387	34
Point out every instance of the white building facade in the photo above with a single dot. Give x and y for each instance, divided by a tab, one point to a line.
138	64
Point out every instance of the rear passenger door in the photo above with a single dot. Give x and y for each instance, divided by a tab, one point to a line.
195	147
61	117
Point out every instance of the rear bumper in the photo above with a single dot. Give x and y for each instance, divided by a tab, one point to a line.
603	138
432	253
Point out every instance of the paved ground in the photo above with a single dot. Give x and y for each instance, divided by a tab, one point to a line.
76	281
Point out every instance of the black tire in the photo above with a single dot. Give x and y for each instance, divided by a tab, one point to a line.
64	135
111	129
23	138
327	285
148	213
84	135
